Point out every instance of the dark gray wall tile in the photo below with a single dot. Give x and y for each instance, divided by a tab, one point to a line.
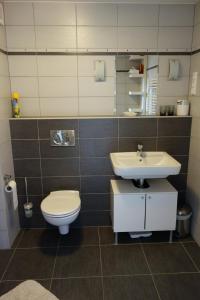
174	145
36	200
34	186
99	137
46	125
37	221
60	167
98	128
95	202
184	162
178	181
96	166
57	152
181	197
130	144
60	183
23	129
138	127
94	218
98	147
174	126
25	149
27	167
95	184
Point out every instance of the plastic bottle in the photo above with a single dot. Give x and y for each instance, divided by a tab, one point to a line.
15	105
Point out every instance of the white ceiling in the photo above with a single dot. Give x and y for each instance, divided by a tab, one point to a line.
114	1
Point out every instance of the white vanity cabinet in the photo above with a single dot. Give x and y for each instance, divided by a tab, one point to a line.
134	209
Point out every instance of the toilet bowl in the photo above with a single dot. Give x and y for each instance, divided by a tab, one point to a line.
61	208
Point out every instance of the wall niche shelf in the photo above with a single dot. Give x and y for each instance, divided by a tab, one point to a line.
136	76
131	93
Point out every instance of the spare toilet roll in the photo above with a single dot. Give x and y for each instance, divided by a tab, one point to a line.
11	187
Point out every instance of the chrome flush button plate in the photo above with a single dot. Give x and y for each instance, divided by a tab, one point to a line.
62	138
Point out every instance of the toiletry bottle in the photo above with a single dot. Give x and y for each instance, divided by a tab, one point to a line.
15	105
141	69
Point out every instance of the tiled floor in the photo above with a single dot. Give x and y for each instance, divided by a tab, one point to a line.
85	265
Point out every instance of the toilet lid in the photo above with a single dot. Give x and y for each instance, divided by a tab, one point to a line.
61	203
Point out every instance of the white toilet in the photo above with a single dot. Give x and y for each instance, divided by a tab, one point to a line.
61	208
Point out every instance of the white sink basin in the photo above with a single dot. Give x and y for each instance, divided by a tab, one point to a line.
130	165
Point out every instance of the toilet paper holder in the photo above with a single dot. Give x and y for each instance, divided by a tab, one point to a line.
7	178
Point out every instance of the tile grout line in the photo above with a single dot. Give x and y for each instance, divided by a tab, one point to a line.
41	175
11	257
103	245
148	265
54	265
101	266
79	149
190	257
99	276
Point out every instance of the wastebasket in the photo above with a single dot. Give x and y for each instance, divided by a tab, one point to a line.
183	218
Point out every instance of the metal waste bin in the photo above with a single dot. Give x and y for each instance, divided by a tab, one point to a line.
183	218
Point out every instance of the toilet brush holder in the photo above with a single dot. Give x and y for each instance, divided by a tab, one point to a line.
28	209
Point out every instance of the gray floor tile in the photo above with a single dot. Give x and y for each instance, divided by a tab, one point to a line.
194	251
39	238
178	287
77	261
78	289
4	259
17	239
107	237
123	260
129	288
31	264
81	236
168	258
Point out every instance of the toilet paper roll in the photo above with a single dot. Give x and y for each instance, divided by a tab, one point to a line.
11	187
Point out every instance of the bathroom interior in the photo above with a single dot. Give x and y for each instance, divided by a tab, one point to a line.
100	150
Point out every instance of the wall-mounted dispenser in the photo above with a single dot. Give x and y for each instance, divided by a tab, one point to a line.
174	68
99	70
11	188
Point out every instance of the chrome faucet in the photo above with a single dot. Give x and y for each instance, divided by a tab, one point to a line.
140	150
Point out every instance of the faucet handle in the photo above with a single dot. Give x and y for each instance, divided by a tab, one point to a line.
140	147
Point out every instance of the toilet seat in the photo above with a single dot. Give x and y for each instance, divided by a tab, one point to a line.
61	204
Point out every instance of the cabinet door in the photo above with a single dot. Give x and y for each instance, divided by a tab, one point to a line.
129	212
161	211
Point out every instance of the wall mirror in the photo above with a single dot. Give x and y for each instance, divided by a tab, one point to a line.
136	84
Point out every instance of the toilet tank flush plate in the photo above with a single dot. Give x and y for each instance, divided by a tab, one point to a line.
62	138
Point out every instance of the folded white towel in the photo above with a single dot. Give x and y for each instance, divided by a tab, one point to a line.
29	290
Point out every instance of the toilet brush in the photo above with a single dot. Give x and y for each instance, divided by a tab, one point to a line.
28	206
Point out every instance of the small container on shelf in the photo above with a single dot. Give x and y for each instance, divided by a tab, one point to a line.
15	105
141	68
167	110
182	108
